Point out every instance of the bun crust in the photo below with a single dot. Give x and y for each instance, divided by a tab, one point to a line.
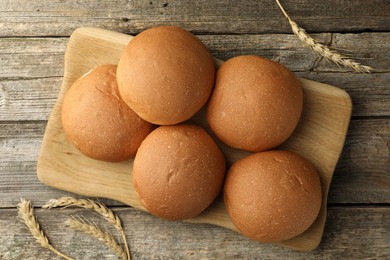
165	75
178	171
98	122
256	103
272	196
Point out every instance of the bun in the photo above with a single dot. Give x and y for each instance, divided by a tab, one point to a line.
272	196
178	171
98	122
165	75
256	103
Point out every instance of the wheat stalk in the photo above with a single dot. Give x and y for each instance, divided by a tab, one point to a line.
98	207
95	231
25	213
323	50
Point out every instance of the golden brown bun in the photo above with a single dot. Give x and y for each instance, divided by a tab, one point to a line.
178	171
255	105
98	122
165	75
272	196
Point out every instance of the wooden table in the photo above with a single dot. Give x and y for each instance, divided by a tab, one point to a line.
33	37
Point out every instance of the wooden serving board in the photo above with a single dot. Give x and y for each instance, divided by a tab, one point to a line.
319	137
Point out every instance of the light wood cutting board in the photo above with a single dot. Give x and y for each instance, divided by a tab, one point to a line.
319	137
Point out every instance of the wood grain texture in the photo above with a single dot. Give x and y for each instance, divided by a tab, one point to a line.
43	57
60	18
373	49
30	82
33	99
30	99
351	233
31	57
366	156
370	93
361	176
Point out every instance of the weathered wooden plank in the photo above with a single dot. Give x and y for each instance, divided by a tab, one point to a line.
364	168
345	237
368	48
60	18
43	57
362	175
373	49
26	95
19	147
31	99
284	48
32	57
370	93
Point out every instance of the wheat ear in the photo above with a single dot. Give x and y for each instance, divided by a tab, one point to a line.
96	232
98	207
25	213
323	50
